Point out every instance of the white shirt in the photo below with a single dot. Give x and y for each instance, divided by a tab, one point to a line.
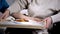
37	8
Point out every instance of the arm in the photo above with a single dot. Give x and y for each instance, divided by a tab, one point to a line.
21	16
18	5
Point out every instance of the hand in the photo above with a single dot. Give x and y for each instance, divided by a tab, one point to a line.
5	15
48	21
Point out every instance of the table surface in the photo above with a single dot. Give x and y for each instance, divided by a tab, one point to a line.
9	24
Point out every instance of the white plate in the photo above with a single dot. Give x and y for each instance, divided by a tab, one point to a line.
31	23
23	23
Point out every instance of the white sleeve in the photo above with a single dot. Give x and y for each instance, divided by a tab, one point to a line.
24	11
15	7
56	18
18	5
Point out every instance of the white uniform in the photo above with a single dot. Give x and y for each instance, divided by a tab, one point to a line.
37	8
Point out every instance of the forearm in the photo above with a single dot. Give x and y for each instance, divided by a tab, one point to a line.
21	16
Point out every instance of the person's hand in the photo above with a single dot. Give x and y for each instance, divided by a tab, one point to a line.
5	14
48	21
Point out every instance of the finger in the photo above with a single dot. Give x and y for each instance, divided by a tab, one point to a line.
48	23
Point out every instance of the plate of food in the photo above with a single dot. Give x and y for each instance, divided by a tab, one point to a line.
29	22
21	21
